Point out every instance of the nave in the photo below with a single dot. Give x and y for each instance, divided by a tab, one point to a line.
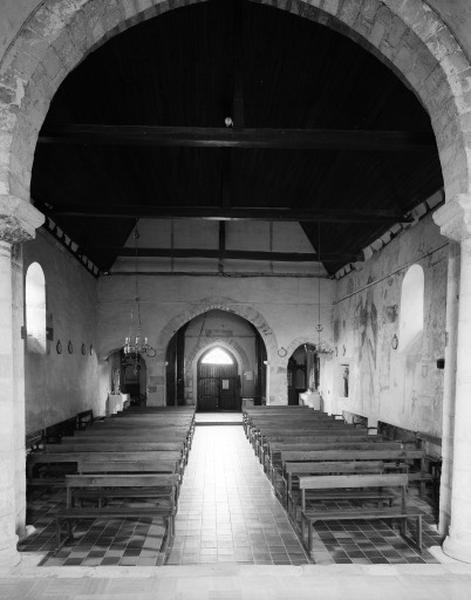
227	508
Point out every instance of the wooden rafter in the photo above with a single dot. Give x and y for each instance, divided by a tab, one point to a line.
217	137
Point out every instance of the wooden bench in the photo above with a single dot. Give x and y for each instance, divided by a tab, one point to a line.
273	460
162	488
80	460
367	484
294	470
65	520
84	419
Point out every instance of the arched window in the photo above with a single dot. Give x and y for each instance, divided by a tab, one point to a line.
35	301
217	356
411	321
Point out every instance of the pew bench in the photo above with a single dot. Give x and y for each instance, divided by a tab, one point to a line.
66	519
341	487
153	486
161	488
292	471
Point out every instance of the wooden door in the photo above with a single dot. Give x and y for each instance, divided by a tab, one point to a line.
218	387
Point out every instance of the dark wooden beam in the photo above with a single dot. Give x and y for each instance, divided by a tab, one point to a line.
134	211
224	137
229	254
222	244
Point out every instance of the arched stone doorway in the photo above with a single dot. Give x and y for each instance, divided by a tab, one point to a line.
212	329
303	372
409	36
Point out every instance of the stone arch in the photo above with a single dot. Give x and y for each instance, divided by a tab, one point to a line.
228	344
409	36
246	311
299	341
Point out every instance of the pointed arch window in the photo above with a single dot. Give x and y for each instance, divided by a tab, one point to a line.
35	309
411	322
217	356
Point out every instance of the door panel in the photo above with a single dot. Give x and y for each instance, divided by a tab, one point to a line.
218	387
208	393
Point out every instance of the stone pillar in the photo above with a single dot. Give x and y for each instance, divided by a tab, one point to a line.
18	222
449	384
454	219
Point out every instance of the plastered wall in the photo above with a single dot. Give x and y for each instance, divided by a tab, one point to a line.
284	309
400	386
60	385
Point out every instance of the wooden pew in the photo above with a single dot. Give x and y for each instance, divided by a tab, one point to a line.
163	488
294	470
273	462
367	484
307	436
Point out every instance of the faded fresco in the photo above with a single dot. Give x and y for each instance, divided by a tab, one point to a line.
401	386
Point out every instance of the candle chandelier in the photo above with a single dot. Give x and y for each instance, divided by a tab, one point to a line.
136	343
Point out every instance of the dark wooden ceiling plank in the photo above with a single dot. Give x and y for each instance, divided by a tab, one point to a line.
224	137
216	213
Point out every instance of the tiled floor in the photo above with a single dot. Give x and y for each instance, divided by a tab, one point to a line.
227	510
227	513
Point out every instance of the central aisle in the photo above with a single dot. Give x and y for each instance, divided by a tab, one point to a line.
227	511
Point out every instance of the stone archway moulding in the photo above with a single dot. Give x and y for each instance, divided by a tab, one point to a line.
299	341
246	311
233	347
408	35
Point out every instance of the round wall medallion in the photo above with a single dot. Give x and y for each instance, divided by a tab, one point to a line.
59	347
282	352
83	349
70	347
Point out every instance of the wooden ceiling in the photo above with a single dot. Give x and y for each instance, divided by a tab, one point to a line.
323	133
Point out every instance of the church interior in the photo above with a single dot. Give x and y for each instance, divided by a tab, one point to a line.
235	268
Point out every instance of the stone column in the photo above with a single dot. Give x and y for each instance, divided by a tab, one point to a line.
18	222
449	384
454	219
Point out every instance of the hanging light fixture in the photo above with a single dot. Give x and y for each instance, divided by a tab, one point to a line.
322	347
136	343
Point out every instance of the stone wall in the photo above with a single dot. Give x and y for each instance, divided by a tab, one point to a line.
283	309
60	385
401	386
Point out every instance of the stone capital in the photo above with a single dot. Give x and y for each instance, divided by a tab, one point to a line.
18	220
454	218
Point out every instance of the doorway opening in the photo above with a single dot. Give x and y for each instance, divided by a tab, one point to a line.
134	378
303	372
218	381
191	352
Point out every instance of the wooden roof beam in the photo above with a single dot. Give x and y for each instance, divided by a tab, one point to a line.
225	137
228	254
135	211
